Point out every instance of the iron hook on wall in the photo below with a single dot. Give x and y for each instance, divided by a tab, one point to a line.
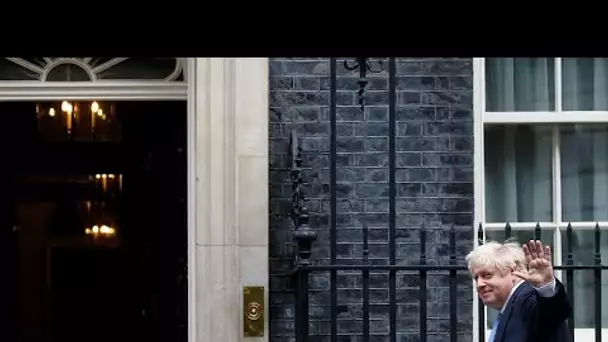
364	64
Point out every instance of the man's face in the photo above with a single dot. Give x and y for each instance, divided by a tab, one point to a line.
493	286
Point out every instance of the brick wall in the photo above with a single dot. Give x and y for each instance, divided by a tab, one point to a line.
435	188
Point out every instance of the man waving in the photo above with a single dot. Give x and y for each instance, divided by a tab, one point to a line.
519	283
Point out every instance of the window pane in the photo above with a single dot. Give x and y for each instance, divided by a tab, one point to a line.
584	280
584	164
520	84
10	71
67	73
518	183
546	236
585	83
141	68
522	236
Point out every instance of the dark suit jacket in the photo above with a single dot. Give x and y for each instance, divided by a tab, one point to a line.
529	317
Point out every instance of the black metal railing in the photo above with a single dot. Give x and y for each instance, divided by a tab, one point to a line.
303	234
424	268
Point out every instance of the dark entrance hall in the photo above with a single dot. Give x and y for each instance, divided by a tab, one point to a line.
93	221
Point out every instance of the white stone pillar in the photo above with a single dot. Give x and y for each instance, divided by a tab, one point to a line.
229	213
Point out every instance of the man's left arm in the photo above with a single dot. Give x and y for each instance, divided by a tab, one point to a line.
553	306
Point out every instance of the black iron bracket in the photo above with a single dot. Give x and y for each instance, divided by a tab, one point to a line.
364	65
304	235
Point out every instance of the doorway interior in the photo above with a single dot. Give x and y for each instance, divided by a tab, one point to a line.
93	220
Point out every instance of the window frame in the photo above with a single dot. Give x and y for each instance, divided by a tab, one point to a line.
481	118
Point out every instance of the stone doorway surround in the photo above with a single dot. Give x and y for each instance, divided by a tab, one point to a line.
231	194
227	178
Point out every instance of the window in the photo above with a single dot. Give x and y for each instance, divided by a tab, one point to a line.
542	158
85	69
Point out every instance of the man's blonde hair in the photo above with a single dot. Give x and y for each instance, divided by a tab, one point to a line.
499	256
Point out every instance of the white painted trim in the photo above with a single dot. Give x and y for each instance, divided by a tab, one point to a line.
84	66
557	189
588	335
100	90
556	175
478	141
580	335
558	84
585	225
557	251
478	162
179	62
545	117
498	226
191	198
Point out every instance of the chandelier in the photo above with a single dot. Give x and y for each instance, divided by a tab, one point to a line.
100	230
107	182
100	216
74	120
101	221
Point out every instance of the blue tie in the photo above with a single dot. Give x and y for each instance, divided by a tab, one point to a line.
491	339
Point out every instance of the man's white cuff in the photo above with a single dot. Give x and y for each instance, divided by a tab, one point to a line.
547	290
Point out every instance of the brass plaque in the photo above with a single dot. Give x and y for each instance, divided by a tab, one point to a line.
253	307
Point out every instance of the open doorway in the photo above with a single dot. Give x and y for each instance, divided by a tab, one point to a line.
93	221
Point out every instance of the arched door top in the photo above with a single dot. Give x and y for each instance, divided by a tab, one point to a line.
92	69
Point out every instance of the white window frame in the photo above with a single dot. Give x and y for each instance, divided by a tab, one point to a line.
98	89
480	118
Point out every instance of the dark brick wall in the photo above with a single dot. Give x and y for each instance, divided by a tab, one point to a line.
435	188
